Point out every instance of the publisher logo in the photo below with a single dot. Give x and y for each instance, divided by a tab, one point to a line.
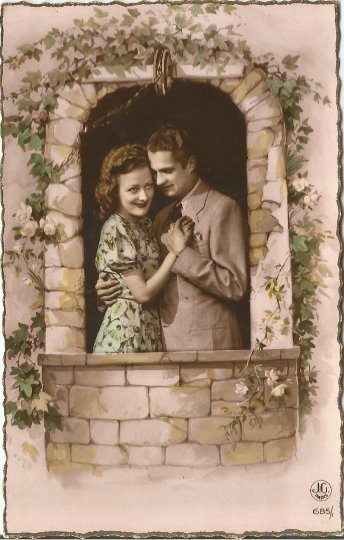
321	490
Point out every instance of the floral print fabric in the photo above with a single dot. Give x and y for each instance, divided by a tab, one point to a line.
127	325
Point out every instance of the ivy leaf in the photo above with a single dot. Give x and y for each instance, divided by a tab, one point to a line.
100	13
133	12
10	407
228	9
27	105
33	78
36	142
290	62
127	20
299	243
52	418
49	99
49	41
196	10
211	8
10	129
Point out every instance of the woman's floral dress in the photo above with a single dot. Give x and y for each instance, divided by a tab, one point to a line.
127	325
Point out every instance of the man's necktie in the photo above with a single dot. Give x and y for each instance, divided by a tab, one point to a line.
176	212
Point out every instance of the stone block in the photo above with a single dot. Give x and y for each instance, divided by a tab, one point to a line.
153	432
266	109
292	367
276	164
254	200
226	390
288	399
64	109
257	254
64	339
90	92
104	431
58	317
270	425
201	383
259	144
292	353
98	454
116	403
52	256
74	430
65	301
212	430
60	397
153	376
65	131
261	221
73	359
59	154
67	226
253	98
100	376
225	408
75	95
258	240
247	84
58	453
184	402
191	374
242	453
278	365
75	183
71	169
64	279
192	455
145	456
272	192
256	175
72	252
280	135
221	356
59	197
280	450
57	375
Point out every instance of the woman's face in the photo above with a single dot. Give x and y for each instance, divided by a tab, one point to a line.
135	194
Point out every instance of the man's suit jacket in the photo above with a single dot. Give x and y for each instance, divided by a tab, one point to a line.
197	305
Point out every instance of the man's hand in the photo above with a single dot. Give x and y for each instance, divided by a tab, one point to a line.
108	289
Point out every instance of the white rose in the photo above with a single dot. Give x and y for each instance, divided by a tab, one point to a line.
48	226
17	248
241	388
29	228
299	184
23	213
272	376
311	199
279	390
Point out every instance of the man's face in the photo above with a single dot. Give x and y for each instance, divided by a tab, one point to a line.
172	178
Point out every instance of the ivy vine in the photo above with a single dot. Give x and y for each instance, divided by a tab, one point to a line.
119	44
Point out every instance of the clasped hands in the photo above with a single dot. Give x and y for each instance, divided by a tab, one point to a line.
178	236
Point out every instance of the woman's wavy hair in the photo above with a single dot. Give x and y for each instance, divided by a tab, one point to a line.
118	161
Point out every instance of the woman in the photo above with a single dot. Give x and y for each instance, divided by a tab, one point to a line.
129	252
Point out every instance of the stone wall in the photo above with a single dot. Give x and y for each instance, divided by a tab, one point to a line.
150	409
267	196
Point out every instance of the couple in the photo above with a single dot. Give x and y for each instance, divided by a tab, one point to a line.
198	240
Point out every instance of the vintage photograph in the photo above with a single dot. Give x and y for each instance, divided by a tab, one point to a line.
170	187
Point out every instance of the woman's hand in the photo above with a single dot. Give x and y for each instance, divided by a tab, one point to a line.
180	234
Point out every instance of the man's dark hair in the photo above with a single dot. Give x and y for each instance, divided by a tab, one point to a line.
172	140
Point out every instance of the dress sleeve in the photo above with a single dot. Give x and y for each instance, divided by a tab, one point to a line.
116	251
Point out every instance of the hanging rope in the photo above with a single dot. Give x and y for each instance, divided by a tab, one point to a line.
162	81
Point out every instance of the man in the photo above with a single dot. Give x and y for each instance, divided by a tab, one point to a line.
197	307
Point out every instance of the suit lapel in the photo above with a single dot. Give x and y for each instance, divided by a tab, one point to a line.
197	201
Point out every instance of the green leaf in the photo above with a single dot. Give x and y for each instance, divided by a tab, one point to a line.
211	8
196	10
10	407
36	142
290	62
49	41
298	243
127	20
101	14
49	99
27	105
133	12
10	129
52	418
33	78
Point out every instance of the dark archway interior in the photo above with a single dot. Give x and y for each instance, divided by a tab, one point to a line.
216	126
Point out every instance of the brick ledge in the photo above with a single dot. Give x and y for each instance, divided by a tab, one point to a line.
115	359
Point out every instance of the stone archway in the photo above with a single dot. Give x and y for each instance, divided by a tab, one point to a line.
267	197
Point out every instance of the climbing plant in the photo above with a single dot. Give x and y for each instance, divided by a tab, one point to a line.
120	43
